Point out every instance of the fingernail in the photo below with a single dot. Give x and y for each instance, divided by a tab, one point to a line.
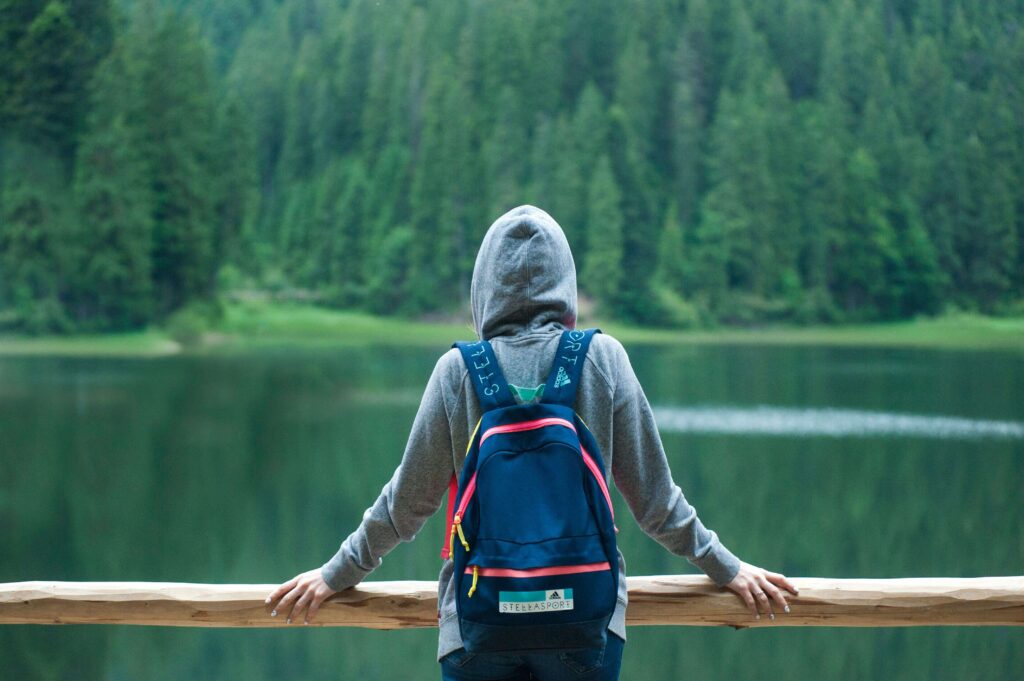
273	613
787	608
267	600
771	615
305	621
757	616
289	620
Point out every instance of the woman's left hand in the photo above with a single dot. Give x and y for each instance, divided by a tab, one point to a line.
302	592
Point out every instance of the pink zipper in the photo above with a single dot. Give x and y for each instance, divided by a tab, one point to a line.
526	425
540	572
533	425
470	488
600	481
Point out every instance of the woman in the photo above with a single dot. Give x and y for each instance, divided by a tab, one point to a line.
523	295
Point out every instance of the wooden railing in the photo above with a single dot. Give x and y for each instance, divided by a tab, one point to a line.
671	600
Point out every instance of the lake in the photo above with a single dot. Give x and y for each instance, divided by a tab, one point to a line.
251	467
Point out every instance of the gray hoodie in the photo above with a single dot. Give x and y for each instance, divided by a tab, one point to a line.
523	295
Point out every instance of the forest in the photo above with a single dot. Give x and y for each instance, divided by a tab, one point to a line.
711	161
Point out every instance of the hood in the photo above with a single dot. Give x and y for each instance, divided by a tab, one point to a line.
524	278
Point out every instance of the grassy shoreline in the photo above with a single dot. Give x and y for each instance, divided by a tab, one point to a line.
253	324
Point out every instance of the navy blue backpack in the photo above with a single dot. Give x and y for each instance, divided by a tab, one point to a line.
536	564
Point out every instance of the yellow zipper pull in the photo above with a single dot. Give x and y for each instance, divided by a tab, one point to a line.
473	587
451	543
457	525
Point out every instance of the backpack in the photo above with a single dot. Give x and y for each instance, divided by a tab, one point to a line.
536	563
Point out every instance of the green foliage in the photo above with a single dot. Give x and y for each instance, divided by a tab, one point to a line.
36	253
187	324
47	54
672	272
177	124
710	162
113	289
602	276
389	286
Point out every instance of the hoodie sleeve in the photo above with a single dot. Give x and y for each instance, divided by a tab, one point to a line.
644	479
412	495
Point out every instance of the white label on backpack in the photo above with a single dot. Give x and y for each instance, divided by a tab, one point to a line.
562	378
514	602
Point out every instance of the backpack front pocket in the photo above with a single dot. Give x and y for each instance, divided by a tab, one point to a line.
561	606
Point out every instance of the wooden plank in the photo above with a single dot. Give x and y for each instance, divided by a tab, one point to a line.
690	600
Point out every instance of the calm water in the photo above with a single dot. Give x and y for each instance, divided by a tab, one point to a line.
830	462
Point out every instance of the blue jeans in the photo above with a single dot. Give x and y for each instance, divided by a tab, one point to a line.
600	664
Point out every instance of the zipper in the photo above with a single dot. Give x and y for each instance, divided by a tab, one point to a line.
555	570
526	425
452	491
516	428
457	519
457	527
592	465
533	425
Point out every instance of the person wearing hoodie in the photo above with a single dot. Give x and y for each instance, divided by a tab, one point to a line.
523	295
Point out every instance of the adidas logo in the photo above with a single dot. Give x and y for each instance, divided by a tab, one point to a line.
555	596
562	378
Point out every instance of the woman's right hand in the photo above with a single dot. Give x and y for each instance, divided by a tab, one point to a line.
759	587
306	591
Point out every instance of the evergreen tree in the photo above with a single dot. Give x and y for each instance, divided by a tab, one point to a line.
927	88
582	141
47	55
687	150
986	235
672	258
47	91
602	275
866	250
113	287
36	253
502	155
822	194
390	282
177	122
237	199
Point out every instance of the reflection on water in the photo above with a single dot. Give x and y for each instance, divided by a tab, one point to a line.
766	420
253	468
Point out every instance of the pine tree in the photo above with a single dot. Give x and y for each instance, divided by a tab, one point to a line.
867	249
237	197
822	192
299	147
583	139
602	275
48	52
177	124
36	253
927	88
113	287
687	150
47	86
672	259
503	159
387	292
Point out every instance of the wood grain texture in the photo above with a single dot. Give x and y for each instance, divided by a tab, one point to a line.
691	600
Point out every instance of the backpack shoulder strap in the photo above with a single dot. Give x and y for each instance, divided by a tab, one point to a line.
568	366
489	383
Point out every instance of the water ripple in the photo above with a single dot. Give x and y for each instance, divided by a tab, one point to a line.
767	420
